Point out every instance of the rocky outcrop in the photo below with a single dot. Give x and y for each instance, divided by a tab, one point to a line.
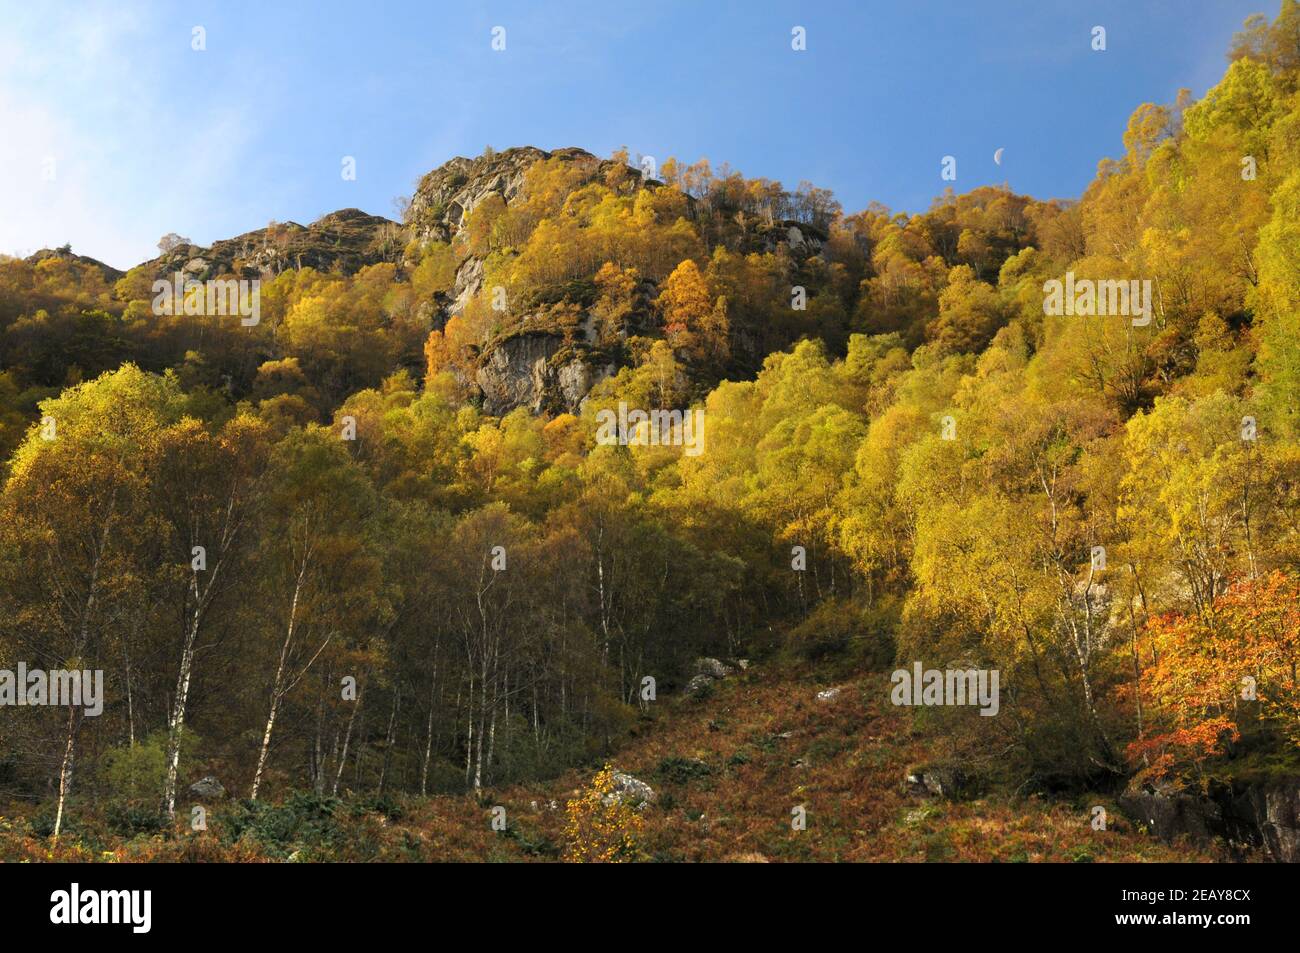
450	192
541	370
1259	813
1168	812
801	240
535	370
65	253
346	241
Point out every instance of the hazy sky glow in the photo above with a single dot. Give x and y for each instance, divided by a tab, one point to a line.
149	136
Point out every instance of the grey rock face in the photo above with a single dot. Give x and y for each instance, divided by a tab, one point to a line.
1278	810
1263	814
1168	812
469	279
518	373
521	371
577	378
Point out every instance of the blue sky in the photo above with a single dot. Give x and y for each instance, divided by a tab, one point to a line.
149	136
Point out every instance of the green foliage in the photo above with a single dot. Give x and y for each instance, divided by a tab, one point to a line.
134	773
304	819
677	770
915	466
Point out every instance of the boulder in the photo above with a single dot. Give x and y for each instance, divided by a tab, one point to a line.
207	788
829	695
699	685
940	780
713	668
631	791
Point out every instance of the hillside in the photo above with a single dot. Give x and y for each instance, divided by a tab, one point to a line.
725	771
420	524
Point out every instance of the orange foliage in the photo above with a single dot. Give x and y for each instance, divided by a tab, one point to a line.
1212	675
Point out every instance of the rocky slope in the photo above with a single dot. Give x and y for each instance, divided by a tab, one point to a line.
535	365
533	362
450	192
717	774
346	240
66	254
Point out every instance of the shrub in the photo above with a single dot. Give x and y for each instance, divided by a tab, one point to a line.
841	628
682	770
825	632
134	774
305	818
128	820
600	828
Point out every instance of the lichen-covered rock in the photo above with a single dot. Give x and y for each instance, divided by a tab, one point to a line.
699	685
713	668
630	791
207	788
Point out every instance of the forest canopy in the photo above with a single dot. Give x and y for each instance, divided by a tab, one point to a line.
232	522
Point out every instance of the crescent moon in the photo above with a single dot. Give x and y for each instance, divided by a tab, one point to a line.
997	157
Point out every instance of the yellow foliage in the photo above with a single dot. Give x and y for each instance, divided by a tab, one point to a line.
599	828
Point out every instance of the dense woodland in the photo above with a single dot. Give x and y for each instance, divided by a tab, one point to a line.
326	559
